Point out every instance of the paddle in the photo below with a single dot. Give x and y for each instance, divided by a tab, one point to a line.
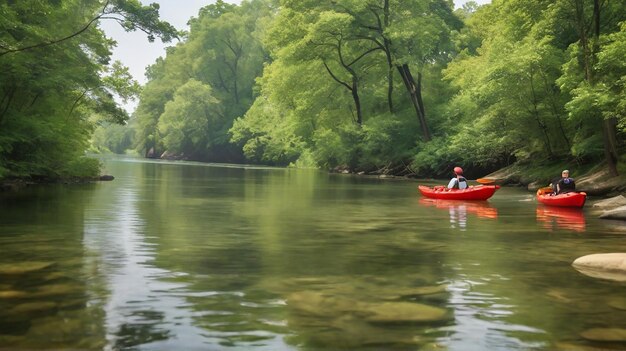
485	180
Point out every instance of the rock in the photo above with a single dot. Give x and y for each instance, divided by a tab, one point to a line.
57	290
106	177
610	266
12	294
168	155
564	346
611	203
31	307
403	312
534	186
605	334
618	303
322	305
507	175
616	213
600	183
23	267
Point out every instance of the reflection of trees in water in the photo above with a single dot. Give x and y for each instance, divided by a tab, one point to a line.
44	299
234	231
141	327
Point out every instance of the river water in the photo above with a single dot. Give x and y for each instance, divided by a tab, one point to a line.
188	256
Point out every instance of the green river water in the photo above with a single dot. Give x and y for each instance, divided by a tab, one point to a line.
187	256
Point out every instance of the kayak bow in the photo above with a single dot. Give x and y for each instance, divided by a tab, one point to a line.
477	193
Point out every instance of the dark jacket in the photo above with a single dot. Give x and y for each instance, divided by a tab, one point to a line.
565	185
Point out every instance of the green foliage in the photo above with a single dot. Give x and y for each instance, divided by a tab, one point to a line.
82	167
112	138
57	84
222	57
186	120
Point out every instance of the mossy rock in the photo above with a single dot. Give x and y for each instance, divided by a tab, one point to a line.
403	312
618	303
23	267
33	307
605	334
13	294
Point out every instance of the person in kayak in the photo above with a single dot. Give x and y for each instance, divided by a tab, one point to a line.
565	184
458	182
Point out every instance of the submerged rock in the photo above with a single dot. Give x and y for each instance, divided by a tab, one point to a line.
23	267
106	177
12	294
403	312
318	304
564	346
605	334
31	307
610	266
56	290
321	305
618	303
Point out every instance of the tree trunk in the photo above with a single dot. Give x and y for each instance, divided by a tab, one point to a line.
535	112
609	133
8	97
415	92
357	101
387	45
609	125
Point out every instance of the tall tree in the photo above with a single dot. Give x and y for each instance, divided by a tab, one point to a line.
56	81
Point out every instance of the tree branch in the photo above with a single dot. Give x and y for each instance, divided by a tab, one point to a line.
335	78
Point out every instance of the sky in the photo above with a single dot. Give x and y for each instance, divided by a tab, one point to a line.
134	50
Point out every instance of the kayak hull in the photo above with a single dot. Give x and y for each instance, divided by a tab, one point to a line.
475	193
573	199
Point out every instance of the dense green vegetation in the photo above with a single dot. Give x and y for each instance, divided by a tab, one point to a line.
57	82
398	86
393	86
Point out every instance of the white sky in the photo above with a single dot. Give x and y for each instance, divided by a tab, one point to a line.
134	50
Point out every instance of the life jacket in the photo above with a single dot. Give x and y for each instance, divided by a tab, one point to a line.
462	183
566	185
459	183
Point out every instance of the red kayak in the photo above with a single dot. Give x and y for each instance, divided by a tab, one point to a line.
479	192
572	199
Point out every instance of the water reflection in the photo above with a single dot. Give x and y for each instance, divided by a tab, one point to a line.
564	218
458	210
190	257
45	301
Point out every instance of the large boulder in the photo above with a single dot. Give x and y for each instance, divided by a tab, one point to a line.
611	203
616	213
506	175
611	266
600	183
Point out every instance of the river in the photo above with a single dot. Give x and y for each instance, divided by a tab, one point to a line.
190	256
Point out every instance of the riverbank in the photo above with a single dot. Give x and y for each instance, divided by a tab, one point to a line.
15	184
594	180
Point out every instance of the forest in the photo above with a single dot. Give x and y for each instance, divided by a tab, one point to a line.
403	87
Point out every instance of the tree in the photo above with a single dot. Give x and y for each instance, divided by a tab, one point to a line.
222	51
56	82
